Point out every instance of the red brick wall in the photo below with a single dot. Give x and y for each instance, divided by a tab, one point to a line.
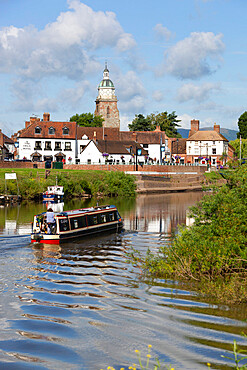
108	167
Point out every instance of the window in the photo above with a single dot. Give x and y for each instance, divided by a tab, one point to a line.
213	150
67	146
89	161
37	145
103	218
196	150
57	145
145	146
63	224
213	142
37	130
65	130
111	216
108	112
51	131
48	145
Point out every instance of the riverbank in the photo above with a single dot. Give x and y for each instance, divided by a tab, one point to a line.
212	253
33	182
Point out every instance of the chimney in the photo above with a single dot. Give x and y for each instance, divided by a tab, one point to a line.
195	125
134	135
157	128
217	128
46	117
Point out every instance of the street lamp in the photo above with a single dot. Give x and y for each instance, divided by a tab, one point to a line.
138	152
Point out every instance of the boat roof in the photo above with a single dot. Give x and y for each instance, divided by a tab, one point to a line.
83	210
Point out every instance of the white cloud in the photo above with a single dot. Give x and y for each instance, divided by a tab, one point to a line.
198	93
158	95
162	32
125	120
130	86
193	57
73	96
65	47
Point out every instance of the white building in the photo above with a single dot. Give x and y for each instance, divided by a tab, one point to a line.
45	140
204	147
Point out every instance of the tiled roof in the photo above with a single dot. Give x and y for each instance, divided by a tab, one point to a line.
97	133
179	147
118	147
207	136
29	132
144	137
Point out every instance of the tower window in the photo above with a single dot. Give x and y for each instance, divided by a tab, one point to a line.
108	112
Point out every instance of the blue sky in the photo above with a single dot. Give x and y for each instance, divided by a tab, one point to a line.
187	56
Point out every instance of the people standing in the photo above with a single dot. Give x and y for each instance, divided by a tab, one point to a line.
50	220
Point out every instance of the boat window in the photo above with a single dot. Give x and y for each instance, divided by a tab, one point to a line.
103	218
111	216
63	224
77	222
95	221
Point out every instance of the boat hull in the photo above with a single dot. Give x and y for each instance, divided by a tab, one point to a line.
70	235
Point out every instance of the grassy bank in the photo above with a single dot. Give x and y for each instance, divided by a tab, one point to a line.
32	183
212	253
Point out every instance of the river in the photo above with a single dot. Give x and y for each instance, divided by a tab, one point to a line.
81	305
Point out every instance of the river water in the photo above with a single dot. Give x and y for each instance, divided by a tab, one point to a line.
81	305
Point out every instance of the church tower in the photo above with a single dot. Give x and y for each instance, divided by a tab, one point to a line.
106	102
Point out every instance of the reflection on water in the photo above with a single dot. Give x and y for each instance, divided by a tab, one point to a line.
82	306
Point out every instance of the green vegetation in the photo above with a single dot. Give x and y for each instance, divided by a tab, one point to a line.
242	125
32	183
213	251
87	120
236	145
167	122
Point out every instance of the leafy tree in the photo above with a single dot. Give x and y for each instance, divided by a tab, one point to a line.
242	125
236	145
87	120
140	123
168	122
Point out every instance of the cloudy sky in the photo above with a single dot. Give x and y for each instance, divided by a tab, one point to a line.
187	56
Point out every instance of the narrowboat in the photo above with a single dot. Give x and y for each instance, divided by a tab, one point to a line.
53	194
76	223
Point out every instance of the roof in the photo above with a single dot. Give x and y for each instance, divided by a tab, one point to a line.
29	132
106	83
207	136
179	146
144	137
98	133
118	147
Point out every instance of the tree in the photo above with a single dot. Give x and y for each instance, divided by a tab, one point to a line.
236	145
167	122
242	125
87	120
140	123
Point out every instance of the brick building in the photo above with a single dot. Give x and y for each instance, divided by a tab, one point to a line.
106	102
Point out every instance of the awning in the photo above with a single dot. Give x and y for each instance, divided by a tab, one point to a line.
36	154
60	154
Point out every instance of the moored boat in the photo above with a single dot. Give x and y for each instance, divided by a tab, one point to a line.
53	194
76	223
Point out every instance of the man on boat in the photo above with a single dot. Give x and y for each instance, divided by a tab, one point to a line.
50	220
